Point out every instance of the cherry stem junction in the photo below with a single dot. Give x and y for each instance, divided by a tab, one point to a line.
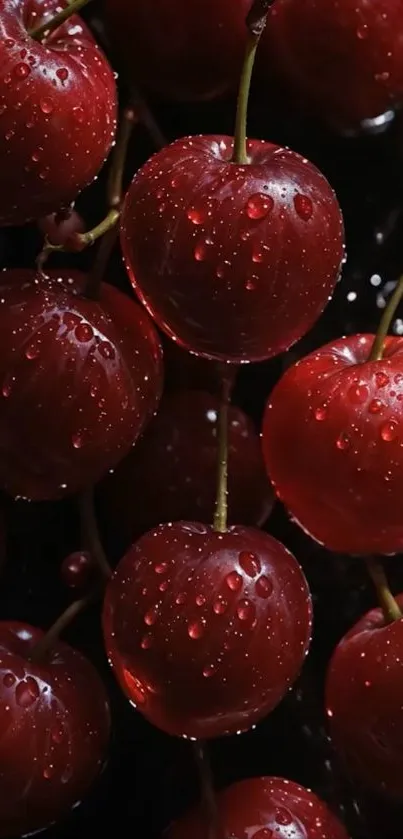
255	22
386	320
207	790
90	532
41	32
387	602
221	507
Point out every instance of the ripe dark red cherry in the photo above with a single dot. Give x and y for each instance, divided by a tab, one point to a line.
170	474
364	699
78	381
233	262
332	440
206	631
344	58
77	569
264	808
54	730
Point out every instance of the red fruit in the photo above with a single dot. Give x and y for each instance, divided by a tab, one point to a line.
171	473
54	730
77	569
59	228
206	631
264	808
57	111
344	57
234	262
78	381
333	445
181	50
364	699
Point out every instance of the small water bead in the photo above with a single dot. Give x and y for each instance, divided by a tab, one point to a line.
375	406
358	394
77	440
32	351
303	206
257	254
234	581
106	350
196	216
362	32
245	235
200	600
250	563
57	735
9	680
22	70
382	77
381	379
259	206
209	671
46	105
246	610
321	413
181	599
62	74
195	630
146	642
250	284
264	587
283	817
7	387
150	617
163	586
35	157
27	692
220	607
48	772
343	441
161	568
389	431
200	252
84	333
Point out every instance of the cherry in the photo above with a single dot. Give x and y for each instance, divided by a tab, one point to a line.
54	730
235	262
364	698
57	111
343	58
78	381
264	808
332	440
170	475
77	569
60	227
206	631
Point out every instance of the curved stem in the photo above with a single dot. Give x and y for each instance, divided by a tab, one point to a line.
207	789
89	526
221	508
41	32
386	320
84	240
387	602
128	120
66	618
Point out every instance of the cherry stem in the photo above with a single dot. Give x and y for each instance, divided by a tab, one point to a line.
41	32
387	602
63	622
221	507
90	531
207	789
147	119
386	320
255	22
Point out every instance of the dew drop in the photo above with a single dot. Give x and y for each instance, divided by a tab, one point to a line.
146	642
196	216
362	32
250	563
57	734
35	157
9	680
62	74
106	350
200	600
375	406
161	568
79	114
321	413
32	351
220	607
358	394
181	598
77	440
150	617
283	817
250	284
343	441
195	630
234	581
381	379
264	587
209	671
303	206
200	252
46	105
163	586
84	333
27	692
257	255
7	387
246	610
22	70
245	235
389	431
259	206
48	772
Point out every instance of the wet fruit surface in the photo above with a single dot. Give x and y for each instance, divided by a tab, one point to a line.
234	262
206	631
54	730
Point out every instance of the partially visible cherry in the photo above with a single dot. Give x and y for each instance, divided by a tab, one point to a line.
264	808
78	381
206	631
59	227
332	440
364	700
54	730
77	569
234	261
171	473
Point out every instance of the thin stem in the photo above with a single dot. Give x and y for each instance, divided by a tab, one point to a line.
41	32
89	526
387	602
128	120
84	240
101	260
207	789
63	621
221	508
386	320
147	118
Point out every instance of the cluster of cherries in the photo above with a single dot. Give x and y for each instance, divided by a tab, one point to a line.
233	248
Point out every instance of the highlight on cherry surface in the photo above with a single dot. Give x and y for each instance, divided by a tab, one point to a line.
206	631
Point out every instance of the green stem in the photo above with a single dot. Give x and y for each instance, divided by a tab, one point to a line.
387	602
221	508
89	527
41	32
386	320
209	803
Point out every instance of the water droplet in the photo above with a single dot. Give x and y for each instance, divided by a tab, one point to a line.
321	413
245	235
382	77
32	351
46	105
234	581
259	206
146	642
381	379
27	692
67	774
196	216
389	431
181	598
195	630
362	32
200	600
77	440
343	441
56	734
79	114
245	610
250	284
264	587
358	394
106	350
303	206
257	254
84	333
161	568
250	563
375	406
200	252
62	74
22	70
283	816
163	586
7	386
150	617
48	772
9	680
209	671
220	607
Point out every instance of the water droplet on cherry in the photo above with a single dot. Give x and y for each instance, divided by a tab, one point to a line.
220	607
209	671
283	817
150	617
321	413
200	252
250	563
200	600
259	206
181	598
196	216
9	680
32	351
375	406
303	206
22	70
57	735
389	431
27	692
264	587
84	333
46	105
48	772
381	379
77	440
343	441
358	394
234	581
62	74
362	32
146	642
195	630
161	568
246	610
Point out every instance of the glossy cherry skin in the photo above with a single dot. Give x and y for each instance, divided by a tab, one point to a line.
171	473
184	51
233	262
57	111
264	808
59	228
206	631
77	569
344	58
333	445
78	381
364	698
54	730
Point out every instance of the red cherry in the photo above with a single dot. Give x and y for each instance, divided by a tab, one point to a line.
77	569
344	57
60	227
170	475
78	381
234	262
54	730
181	50
364	699
265	808
206	631
332	440
57	111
